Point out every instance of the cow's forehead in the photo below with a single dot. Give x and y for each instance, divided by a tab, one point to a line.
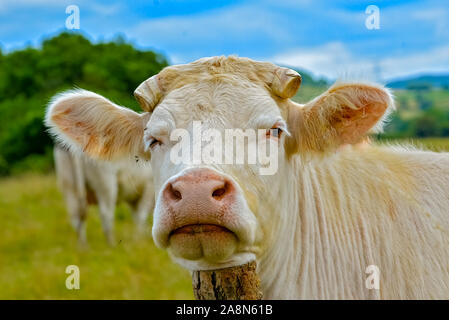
176	76
228	102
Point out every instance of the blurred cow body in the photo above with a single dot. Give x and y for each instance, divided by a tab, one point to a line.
84	181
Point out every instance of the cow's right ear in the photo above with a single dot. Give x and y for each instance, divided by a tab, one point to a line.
342	115
85	121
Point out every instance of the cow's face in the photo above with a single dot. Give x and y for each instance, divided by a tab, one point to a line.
212	214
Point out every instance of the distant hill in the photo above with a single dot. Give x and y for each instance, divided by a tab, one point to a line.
416	82
311	86
309	80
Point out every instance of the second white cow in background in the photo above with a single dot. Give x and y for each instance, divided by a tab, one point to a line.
85	181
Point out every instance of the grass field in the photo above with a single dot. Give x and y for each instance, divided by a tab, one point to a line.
433	144
37	244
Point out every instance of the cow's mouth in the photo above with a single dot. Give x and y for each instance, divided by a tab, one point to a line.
199	228
202	241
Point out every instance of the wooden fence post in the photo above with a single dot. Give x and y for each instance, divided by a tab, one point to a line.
235	283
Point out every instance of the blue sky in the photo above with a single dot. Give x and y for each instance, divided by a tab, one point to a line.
328	38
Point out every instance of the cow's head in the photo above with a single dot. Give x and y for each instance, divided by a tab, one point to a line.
215	215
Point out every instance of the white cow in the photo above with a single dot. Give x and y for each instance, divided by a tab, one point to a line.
315	226
85	181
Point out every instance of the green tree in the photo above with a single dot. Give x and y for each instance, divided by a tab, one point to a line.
30	77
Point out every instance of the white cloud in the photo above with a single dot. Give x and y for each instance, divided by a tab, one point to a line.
26	4
435	60
237	22
439	17
101	9
333	60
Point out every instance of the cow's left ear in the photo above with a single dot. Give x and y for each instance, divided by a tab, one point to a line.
344	114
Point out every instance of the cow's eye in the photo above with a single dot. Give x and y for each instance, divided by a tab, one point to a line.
274	133
154	142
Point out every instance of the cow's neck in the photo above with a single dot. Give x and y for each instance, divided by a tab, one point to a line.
324	243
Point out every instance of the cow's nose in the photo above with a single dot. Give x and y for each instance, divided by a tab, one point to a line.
203	188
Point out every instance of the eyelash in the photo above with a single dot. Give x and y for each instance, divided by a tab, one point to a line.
276	136
154	142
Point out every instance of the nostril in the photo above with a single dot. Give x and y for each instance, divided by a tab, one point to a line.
175	194
220	192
